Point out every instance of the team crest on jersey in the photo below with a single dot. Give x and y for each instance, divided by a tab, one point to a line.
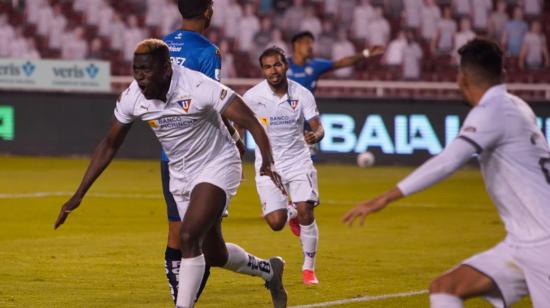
185	104
293	103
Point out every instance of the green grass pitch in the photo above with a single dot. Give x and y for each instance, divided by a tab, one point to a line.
110	252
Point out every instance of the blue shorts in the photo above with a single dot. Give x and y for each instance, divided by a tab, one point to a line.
171	206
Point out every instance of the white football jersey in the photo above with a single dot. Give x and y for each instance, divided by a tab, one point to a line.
188	125
515	163
283	119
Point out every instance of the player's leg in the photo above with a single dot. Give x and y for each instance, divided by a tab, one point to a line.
309	237
493	274
205	208
274	203
172	253
233	257
305	194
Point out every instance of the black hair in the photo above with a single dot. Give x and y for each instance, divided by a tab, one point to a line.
272	51
190	9
484	58
300	35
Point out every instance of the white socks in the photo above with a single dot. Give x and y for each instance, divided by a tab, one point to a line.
309	236
445	300
190	277
238	260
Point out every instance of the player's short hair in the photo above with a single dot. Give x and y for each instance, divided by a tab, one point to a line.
154	47
190	9
273	51
484	59
300	35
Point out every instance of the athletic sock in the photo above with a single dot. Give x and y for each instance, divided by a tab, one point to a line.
445	300
190	277
309	236
238	260
172	260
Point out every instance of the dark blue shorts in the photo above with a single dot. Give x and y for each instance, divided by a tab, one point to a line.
171	207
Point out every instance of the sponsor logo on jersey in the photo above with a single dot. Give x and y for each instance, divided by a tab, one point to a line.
153	123
264	121
185	104
293	103
174	49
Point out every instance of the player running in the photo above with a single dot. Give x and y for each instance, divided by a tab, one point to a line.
182	108
189	48
283	106
501	131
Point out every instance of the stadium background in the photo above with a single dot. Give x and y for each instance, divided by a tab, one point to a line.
373	107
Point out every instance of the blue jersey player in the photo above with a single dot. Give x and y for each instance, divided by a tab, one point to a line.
306	70
189	48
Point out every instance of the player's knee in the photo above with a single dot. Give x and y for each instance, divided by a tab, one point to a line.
218	259
276	220
306	218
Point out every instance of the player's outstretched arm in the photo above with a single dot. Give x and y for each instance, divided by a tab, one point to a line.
352	60
238	112
316	133
103	154
371	206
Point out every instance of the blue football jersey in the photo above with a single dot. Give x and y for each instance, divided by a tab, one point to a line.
194	51
308	74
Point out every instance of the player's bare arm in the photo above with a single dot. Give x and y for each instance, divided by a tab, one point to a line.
316	133
370	52
236	135
238	112
103	155
371	206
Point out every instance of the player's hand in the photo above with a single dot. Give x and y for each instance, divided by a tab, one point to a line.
310	137
66	209
363	209
376	50
268	170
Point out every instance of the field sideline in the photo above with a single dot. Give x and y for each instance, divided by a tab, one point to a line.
110	252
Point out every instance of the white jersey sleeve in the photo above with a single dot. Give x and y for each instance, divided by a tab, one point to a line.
481	129
310	109
214	94
437	168
125	106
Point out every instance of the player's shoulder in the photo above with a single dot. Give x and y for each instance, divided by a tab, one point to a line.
259	89
131	95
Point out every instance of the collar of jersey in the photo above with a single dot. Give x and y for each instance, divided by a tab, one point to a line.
270	94
173	82
493	91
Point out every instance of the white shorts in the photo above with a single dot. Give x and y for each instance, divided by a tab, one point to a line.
226	177
517	271
301	188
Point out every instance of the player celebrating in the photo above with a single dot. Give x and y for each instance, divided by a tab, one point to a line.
182	107
189	48
515	163
282	107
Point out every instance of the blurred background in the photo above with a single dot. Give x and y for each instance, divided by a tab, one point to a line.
398	104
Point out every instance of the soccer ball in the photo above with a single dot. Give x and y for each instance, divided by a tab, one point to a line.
365	159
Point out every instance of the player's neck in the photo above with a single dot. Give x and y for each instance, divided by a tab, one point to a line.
193	25
280	89
298	59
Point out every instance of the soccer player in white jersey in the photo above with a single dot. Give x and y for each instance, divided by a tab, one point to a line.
282	106
182	108
514	157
